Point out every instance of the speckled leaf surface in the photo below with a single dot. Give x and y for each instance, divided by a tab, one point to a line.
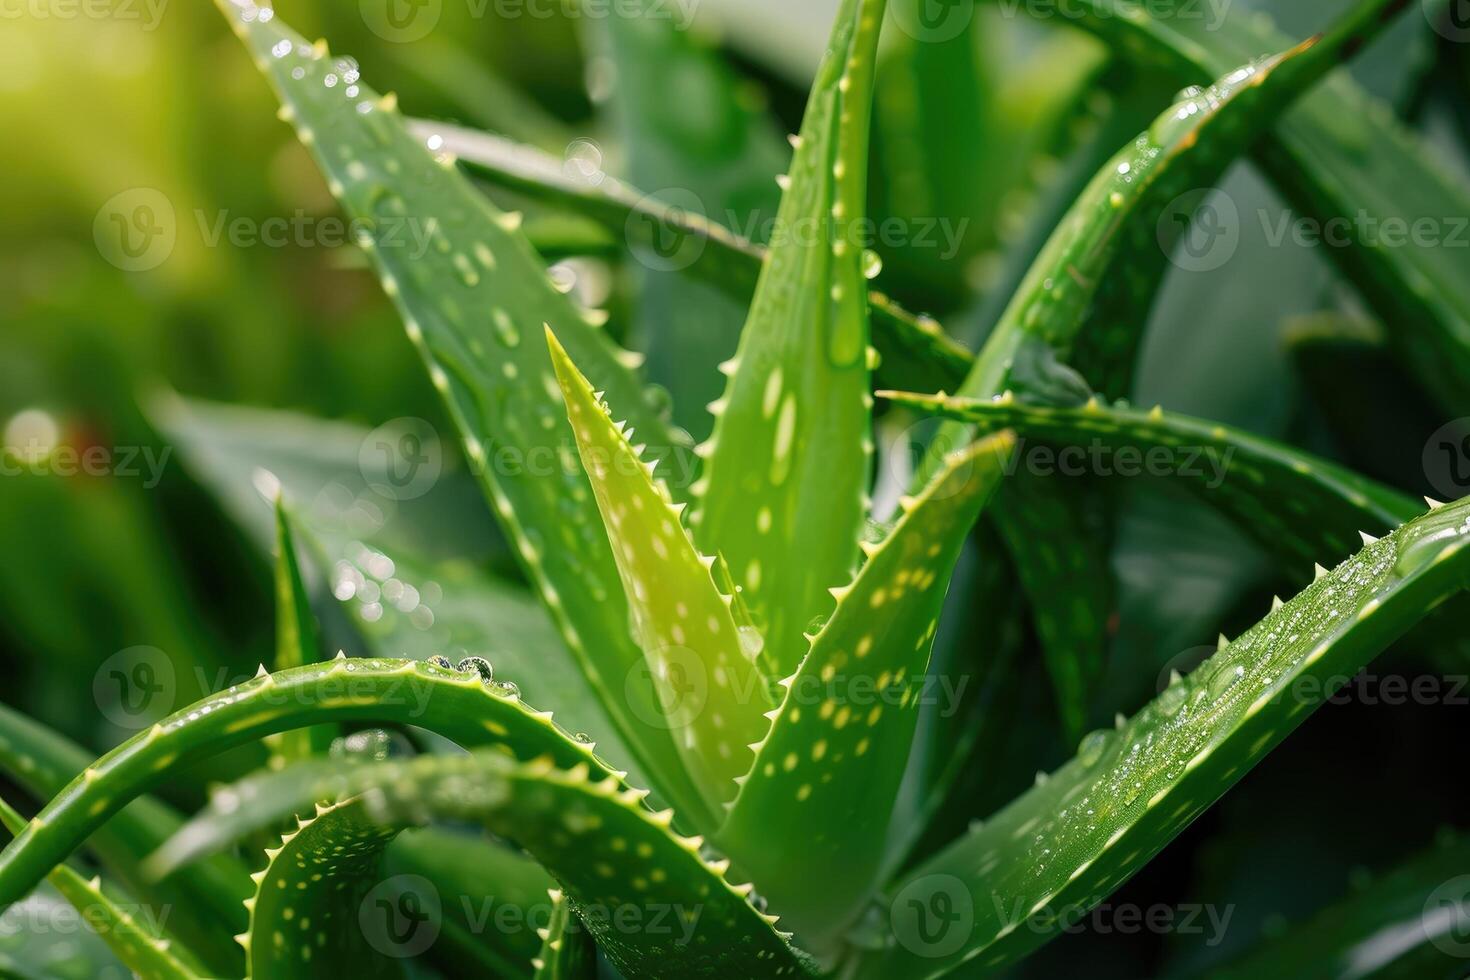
1296	504
828	773
1043	861
1340	154
656	904
140	944
697	656
455	704
474	296
308	913
790	453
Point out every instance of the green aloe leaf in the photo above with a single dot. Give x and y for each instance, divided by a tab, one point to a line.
567	952
616	860
717	154
910	347
473	296
1043	861
1188	146
1296	504
700	660
43	762
792	441
307	913
141	945
842	735
1408	922
1339	156
454	704
1064	572
297	642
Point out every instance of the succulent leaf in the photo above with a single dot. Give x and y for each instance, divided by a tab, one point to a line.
42	762
451	703
142	946
297	642
1043	861
307	913
567	952
842	735
473	297
615	859
1341	152
1415	906
1317	509
697	655
792	441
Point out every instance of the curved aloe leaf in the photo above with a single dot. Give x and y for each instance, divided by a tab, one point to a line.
698	658
616	860
567	952
454	704
1189	145
842	735
910	347
306	915
1044	861
473	296
792	441
717	154
43	762
142	946
1317	509
1339	155
1409	922
297	642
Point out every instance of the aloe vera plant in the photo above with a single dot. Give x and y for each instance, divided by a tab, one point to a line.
714	749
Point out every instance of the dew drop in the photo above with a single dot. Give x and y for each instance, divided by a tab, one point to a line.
478	665
751	641
872	264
